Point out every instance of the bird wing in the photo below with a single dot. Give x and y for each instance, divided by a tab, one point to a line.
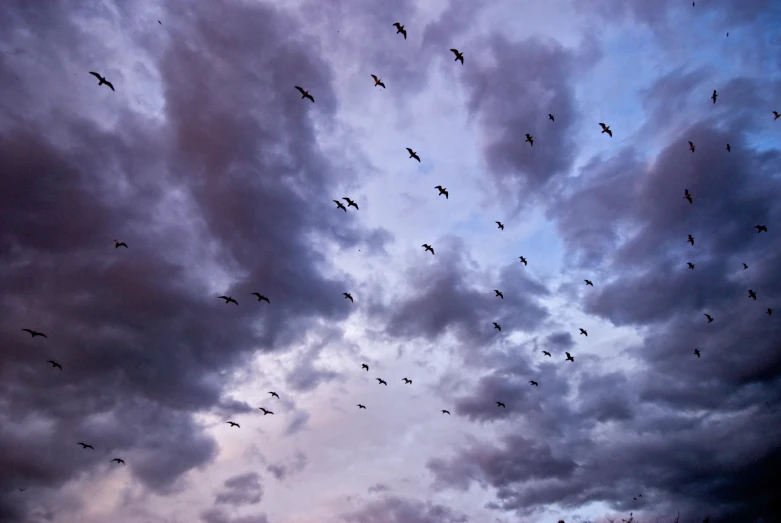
455	52
375	78
410	150
109	84
604	127
397	25
96	75
300	90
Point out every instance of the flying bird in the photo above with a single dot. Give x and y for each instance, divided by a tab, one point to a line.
547	353
35	333
304	94
710	318
697	352
691	146
348	296
265	412
523	260
85	446
691	239
118	244
22	489
405	380
769	311
777	116
442	191
361	406
530	139
428	247
500	404
745	266
54	364
377	82
228	299
381	381
500	225
233	424
569	357
274	394
350	203
534	383
413	154
550	117
690	264
714	96
445	411
118	460
606	129
364	366
400	29
687	195
499	294
583	331
340	205
459	56
728	148
497	326
760	228
102	79
752	294
261	297
588	282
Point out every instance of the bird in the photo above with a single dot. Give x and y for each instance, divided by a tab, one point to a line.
745	266
500	225
118	244
497	326
583	331
691	239
760	228
413	154
550	117
687	195
442	191
361	406
777	116
22	489
274	394
377	82
428	247
459	56
35	333
588	282
348	296
728	148
118	460
691	146
400	29
530	139
606	129
265	412
769	311
714	96
340	205
500	404
233	424
102	79
569	357
523	260
381	381
697	352
159	22
350	203
54	364
499	294
547	353
405	380
445	411
752	294
534	383
710	318
85	446
364	366
304	94
261	297
690	264
228	299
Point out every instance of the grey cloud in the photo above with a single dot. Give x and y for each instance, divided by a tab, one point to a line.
243	489
283	469
218	515
401	510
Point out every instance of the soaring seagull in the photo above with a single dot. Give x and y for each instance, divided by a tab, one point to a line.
102	79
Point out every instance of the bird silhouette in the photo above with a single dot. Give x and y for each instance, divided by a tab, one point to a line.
606	129
710	318
400	29
348	296
118	244
265	412
687	195
234	424
523	260
102	79
769	311
777	116
261	297
500	225
745	266
361	406
569	357
54	364
752	294
500	404
364	366
304	94
459	56
22	489
413	154
85	446
691	239
442	191
697	352
728	148
760	228
690	264
35	333
228	299
428	247
274	394
550	117
405	380
547	353
497	326
714	96
445	411
340	205
381	381
534	383
350	203
583	331
118	460
588	282
499	294
377	82
691	146
530	139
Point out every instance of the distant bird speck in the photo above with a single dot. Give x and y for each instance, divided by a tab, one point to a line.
459	55
102	80
400	29
304	94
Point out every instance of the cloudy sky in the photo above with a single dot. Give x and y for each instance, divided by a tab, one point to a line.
220	179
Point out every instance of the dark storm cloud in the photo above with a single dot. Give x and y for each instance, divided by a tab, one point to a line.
401	510
218	515
243	489
142	338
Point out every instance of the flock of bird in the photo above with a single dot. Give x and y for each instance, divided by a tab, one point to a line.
459	56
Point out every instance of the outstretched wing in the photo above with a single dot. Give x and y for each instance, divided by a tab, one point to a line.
300	90
112	88
454	51
96	75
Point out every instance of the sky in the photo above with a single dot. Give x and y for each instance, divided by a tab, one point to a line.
220	179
